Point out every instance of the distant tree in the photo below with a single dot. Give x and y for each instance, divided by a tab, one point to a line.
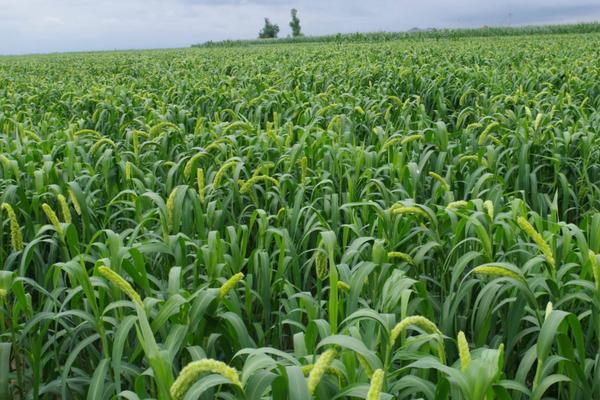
269	31
295	24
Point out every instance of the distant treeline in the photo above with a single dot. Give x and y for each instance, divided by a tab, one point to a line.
420	34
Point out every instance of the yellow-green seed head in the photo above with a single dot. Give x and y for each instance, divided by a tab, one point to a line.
191	372
376	385
281	214
322	263
343	286
121	283
595	268
128	171
247	186
463	351
539	241
200	183
411	138
99	143
171	206
468	157
187	170
306	369
497	271
64	208
399	209
415	320
5	161
363	362
441	180
221	172
548	310
489	207
321	366
75	202
263	169
457	204
51	215
230	284
16	238
303	169
486	132
402	256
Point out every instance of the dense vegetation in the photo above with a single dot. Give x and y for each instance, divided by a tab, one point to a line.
412	219
431	33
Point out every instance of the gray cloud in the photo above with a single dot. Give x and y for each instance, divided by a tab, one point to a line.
28	26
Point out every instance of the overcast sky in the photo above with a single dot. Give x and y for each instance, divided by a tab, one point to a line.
32	26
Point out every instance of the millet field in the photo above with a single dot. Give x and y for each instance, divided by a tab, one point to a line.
402	219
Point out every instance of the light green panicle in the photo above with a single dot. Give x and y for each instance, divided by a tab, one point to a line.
230	284
16	238
415	320
376	385
121	283
320	368
191	372
463	351
64	208
539	241
497	271
51	215
75	202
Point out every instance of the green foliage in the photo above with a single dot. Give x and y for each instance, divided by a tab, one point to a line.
295	24
438	34
269	31
386	220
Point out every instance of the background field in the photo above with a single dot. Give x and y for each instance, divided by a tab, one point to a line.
379	198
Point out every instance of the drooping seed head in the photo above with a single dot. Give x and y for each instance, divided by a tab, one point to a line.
320	368
343	286
200	183
463	351
191	372
128	171
402	256
441	180
171	206
415	320
51	215
595	268
306	369
99	143
400	209
230	284
121	283
64	208
16	238
75	202
376	385
187	170
539	241
497	271
303	169
247	186
489	207
457	204
221	172
363	362
322	263
411	138
486	132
